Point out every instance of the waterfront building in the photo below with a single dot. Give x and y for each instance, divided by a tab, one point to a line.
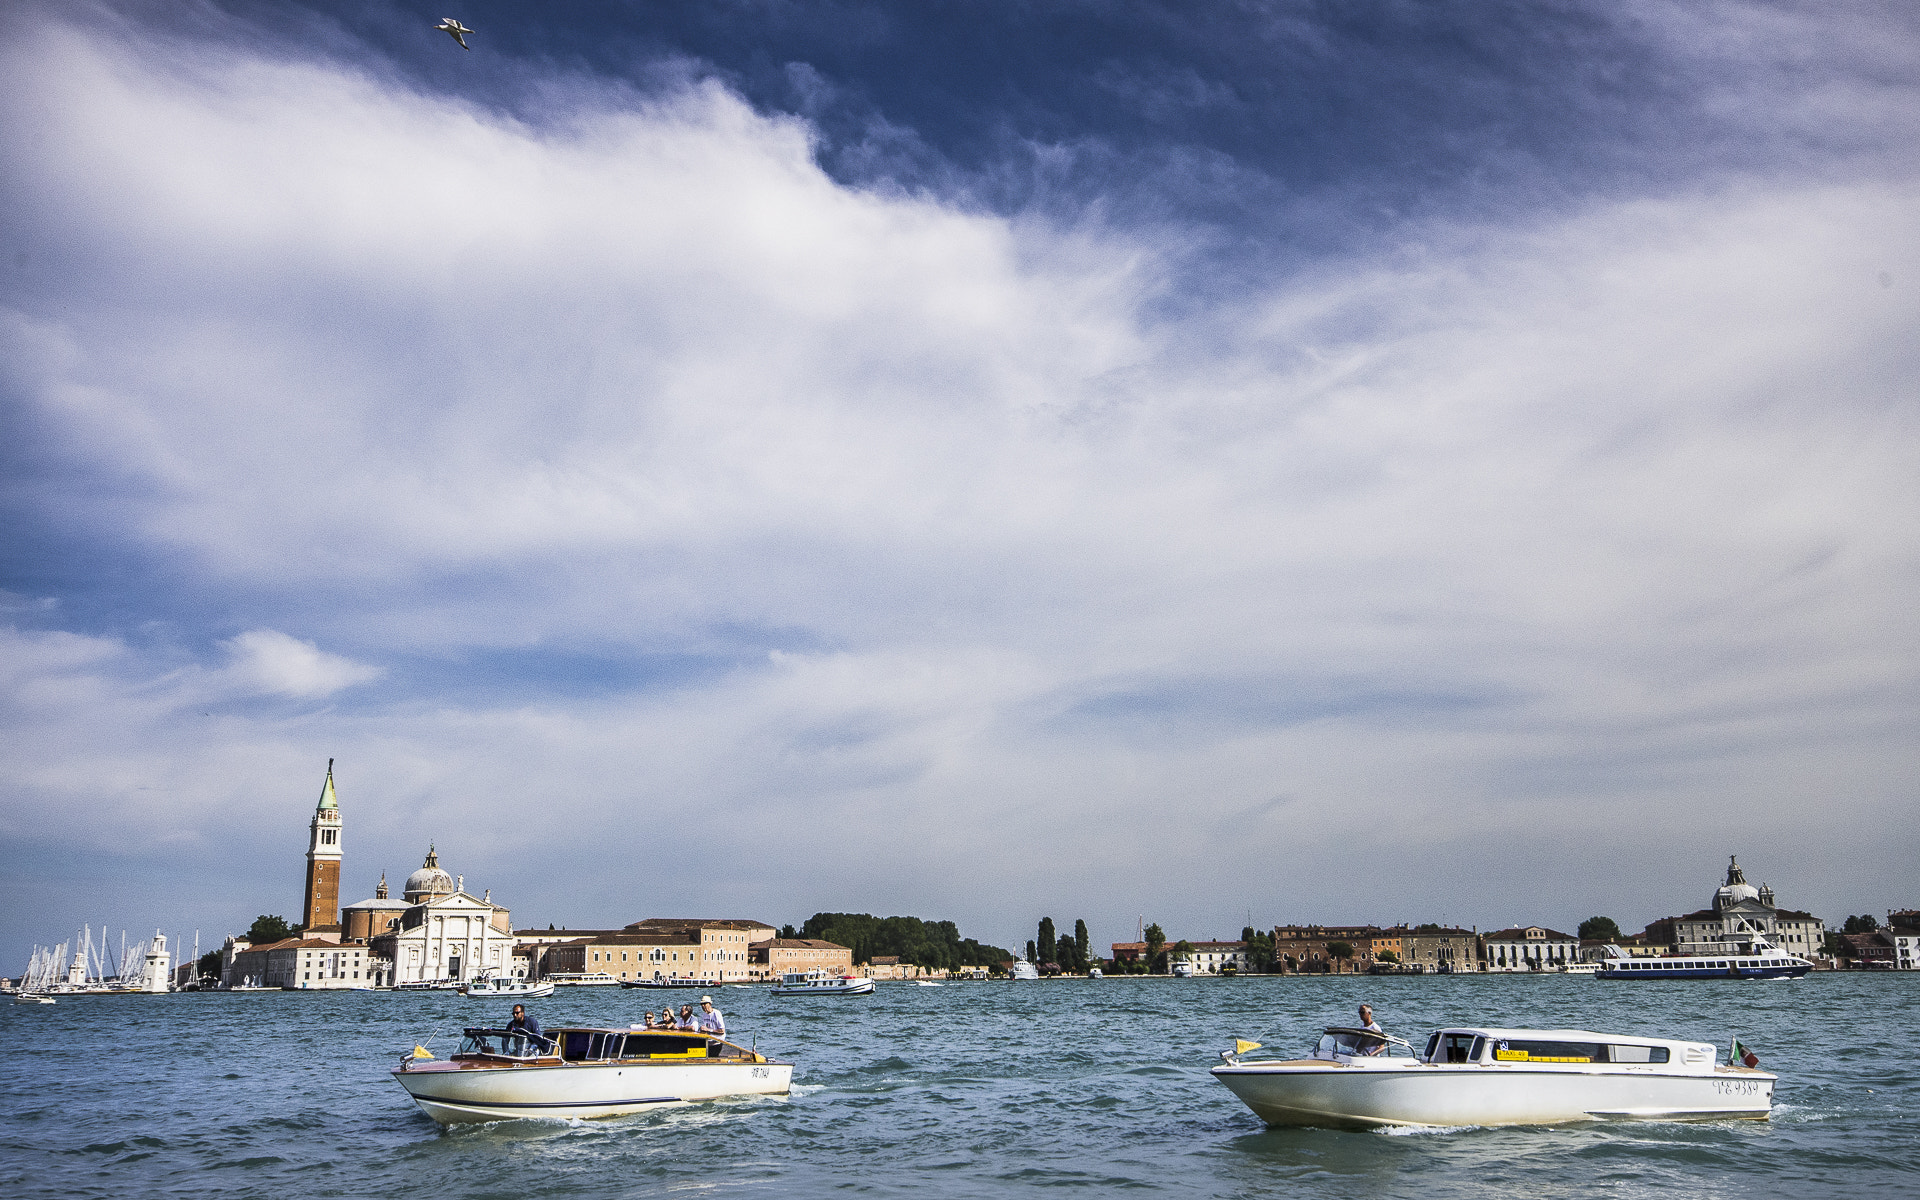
775	957
1129	953
1307	949
1218	958
320	915
1739	907
1873	951
368	919
725	947
308	964
1441	949
446	934
1528	948
1903	926
625	954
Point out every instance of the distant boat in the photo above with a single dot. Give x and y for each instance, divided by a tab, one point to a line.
580	979
31	998
1183	970
1748	955
1095	973
502	987
1022	970
664	982
821	983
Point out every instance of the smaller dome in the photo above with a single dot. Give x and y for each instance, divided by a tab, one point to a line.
429	881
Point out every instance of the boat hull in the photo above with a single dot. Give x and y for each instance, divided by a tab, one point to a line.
458	1094
1329	1095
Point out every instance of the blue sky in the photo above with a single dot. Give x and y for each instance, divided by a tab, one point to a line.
1321	462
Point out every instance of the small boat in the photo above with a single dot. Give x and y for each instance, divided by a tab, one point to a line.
925	983
428	985
581	979
669	981
1022	970
491	987
31	998
821	983
501	1075
1472	1076
1581	968
1183	970
1747	955
1095	973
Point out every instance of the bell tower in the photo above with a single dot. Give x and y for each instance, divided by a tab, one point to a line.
322	916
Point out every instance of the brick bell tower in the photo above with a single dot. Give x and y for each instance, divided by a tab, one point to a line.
322	916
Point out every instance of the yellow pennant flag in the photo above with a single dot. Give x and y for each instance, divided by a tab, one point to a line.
1242	1045
422	1052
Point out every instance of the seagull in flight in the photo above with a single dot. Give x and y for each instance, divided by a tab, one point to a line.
454	30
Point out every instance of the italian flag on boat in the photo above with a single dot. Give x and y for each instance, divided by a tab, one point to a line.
1742	1055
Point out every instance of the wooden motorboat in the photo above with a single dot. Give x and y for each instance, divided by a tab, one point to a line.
500	1075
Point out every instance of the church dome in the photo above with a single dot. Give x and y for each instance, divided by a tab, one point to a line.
429	881
1736	888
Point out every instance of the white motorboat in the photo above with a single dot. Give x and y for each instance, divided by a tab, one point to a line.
1183	970
1580	968
1470	1076
503	987
821	983
31	998
1095	973
499	1075
1022	969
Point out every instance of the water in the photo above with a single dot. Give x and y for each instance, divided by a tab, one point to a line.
959	1091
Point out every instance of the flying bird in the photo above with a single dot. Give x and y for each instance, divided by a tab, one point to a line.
454	30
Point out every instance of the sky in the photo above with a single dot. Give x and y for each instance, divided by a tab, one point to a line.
1205	464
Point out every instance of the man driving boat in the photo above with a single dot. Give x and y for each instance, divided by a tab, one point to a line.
1371	1026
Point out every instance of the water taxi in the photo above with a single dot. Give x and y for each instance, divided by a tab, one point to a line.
1745	955
821	983
1476	1076
499	1075
504	987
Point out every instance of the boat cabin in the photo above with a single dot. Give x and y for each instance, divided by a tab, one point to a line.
1571	1046
597	1046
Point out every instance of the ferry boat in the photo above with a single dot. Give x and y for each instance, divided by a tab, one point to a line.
581	979
490	987
428	985
821	983
669	981
1747	955
500	1075
1481	1076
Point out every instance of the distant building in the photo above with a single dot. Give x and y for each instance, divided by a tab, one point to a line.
444	933
368	919
777	956
308	964
724	947
1218	958
320	916
1441	949
1870	951
1739	907
1903	926
1528	948
1129	952
1307	949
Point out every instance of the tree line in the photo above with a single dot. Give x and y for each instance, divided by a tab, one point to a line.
931	944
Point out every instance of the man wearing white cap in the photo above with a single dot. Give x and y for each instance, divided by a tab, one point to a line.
708	1019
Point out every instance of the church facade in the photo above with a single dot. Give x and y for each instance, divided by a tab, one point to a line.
443	934
1739	907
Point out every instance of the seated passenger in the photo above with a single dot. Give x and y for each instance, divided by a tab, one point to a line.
686	1020
708	1020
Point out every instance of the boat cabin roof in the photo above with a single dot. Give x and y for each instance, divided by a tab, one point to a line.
1566	1035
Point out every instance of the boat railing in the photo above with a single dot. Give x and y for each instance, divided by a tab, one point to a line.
503	1043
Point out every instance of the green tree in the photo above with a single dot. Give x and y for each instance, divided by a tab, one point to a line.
1259	950
208	967
1340	950
269	929
1033	955
1156	943
1047	945
933	944
1182	951
1865	923
1082	943
1599	927
1387	956
786	931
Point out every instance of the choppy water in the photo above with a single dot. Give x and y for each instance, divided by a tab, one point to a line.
963	1090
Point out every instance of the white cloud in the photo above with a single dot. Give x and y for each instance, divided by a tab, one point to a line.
1596	532
266	660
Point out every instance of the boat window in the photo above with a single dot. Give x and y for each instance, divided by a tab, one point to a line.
1460	1047
1638	1054
577	1045
1515	1050
645	1045
498	1043
1433	1047
1478	1049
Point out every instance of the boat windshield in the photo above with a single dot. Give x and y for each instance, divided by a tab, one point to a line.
1352	1042
498	1043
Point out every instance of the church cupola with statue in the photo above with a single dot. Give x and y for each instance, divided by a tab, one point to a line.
321	915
